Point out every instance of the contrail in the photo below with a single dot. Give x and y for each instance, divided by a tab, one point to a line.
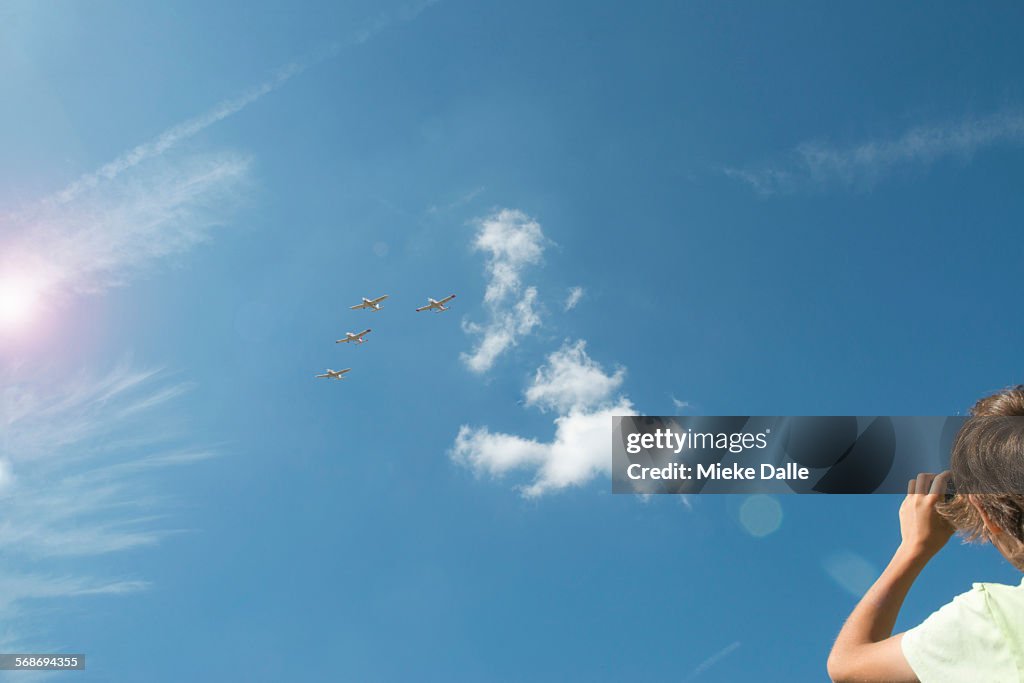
176	134
187	129
712	660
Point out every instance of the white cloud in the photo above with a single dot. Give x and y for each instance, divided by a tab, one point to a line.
569	383
512	241
816	163
579	389
501	332
573	298
571	380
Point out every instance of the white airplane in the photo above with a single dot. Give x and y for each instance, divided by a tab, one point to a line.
436	306
370	303
353	337
335	374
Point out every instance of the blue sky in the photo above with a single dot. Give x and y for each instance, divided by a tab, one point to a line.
799	210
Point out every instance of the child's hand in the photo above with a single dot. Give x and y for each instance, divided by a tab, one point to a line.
923	529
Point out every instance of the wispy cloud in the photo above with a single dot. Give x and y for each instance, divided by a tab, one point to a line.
457	203
181	132
403	13
573	298
677	404
117	229
146	204
177	134
73	452
118	220
17	588
814	164
77	453
583	395
512	241
712	660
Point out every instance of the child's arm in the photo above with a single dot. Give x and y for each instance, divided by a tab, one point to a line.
865	649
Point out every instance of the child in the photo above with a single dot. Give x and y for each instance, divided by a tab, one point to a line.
979	636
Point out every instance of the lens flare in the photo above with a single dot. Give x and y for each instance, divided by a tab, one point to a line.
760	515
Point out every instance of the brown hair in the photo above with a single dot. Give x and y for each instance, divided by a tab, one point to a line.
988	462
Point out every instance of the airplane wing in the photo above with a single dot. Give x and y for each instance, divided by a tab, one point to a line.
446	299
379	299
362	334
343	341
342	372
423	308
358	306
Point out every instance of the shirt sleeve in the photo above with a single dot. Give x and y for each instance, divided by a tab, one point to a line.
960	642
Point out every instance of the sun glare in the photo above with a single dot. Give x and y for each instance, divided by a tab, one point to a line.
18	303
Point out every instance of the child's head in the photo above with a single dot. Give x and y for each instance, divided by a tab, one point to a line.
988	470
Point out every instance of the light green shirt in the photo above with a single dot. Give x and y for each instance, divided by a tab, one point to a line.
979	636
